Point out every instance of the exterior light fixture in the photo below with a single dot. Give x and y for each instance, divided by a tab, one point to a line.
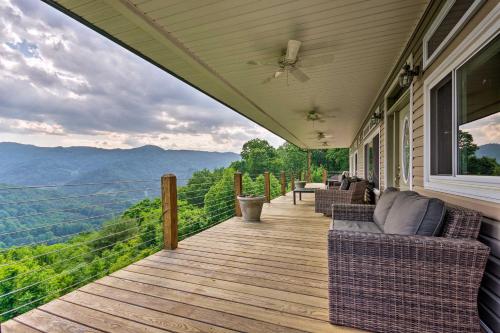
376	116
407	74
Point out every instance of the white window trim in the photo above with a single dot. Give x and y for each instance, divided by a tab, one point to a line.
437	22
410	174
479	187
368	139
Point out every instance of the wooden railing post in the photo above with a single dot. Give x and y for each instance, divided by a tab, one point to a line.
325	176
238	189
169	210
267	186
283	183
308	177
293	181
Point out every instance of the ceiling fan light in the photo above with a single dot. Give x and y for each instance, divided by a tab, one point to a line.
292	50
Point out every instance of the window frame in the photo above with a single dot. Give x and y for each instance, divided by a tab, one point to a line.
479	187
427	61
368	140
355	162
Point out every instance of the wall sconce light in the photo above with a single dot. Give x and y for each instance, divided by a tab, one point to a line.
407	74
376	116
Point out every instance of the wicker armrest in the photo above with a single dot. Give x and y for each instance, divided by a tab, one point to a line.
353	212
325	198
395	283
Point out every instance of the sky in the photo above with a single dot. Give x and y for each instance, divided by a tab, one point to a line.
62	84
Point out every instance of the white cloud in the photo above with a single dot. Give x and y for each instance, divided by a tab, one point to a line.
63	84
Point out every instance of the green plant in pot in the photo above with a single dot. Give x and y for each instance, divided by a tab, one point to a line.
251	206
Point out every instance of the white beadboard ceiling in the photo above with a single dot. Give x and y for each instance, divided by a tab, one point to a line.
209	42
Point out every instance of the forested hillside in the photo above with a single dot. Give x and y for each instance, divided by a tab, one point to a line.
59	245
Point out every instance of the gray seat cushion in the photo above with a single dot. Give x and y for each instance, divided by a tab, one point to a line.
413	214
383	206
359	226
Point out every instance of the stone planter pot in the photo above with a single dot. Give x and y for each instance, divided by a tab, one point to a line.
300	184
251	208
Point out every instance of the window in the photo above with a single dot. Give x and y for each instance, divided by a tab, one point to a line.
450	20
478	94
372	160
356	163
441	128
462	117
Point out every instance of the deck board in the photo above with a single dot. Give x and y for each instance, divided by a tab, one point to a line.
235	277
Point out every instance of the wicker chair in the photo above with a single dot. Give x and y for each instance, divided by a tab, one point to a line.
397	283
325	198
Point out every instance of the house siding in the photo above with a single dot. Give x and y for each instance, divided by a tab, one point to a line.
489	297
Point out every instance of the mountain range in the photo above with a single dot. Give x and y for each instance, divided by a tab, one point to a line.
31	165
490	150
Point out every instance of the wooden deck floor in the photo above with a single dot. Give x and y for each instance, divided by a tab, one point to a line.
235	277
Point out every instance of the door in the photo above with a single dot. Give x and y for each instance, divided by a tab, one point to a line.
404	153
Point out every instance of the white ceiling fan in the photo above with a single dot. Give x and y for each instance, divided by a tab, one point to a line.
291	62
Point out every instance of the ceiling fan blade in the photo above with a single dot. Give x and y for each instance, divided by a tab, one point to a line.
299	75
267	80
292	50
260	63
278	73
316	61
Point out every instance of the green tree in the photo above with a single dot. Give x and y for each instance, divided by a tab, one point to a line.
338	159
469	163
259	156
293	159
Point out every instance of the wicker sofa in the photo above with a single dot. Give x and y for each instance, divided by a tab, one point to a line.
324	199
384	282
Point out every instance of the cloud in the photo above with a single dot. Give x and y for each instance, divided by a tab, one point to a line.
485	130
57	75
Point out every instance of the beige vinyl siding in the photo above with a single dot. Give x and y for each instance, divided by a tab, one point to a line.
415	48
488	209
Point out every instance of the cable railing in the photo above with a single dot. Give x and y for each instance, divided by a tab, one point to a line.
54	238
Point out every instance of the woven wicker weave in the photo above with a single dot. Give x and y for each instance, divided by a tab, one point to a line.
413	284
324	199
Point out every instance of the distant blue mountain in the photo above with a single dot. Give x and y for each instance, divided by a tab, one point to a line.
31	165
489	150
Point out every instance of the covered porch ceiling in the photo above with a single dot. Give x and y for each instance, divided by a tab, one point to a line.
209	43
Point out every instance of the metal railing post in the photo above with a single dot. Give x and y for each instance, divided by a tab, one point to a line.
169	211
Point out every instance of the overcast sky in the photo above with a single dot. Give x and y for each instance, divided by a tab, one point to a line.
62	84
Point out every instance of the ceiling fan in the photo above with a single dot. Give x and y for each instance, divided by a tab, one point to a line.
291	62
320	135
315	115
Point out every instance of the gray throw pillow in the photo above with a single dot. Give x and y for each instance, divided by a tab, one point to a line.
413	214
383	206
345	184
